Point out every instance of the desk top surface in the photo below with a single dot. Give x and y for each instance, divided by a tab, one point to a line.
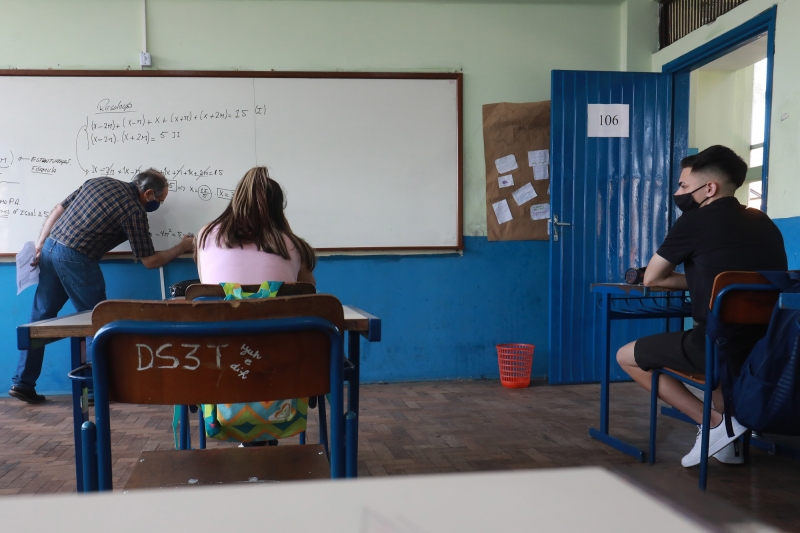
80	324
553	500
632	290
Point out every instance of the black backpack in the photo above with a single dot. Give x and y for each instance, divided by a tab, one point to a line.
765	397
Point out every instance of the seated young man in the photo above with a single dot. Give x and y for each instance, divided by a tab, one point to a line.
715	234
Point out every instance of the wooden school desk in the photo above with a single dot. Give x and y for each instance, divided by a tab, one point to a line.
559	500
78	326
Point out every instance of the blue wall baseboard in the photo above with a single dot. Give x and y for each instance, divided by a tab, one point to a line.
442	314
790	227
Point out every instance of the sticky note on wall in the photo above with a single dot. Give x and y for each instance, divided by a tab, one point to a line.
502	212
538	157
506	164
505	181
524	194
540	211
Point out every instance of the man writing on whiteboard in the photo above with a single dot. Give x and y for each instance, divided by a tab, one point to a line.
102	214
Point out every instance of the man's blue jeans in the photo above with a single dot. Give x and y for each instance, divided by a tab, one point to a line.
63	274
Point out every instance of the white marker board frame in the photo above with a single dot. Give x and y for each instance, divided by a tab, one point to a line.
432	165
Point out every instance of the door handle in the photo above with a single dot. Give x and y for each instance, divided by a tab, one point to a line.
556	224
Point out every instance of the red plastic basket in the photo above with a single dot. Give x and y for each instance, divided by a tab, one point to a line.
515	362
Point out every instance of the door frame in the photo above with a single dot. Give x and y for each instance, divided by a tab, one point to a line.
682	67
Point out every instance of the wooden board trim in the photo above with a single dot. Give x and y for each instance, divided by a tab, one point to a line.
234	74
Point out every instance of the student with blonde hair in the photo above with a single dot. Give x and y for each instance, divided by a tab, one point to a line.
251	241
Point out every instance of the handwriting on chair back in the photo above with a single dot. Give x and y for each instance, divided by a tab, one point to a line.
226	369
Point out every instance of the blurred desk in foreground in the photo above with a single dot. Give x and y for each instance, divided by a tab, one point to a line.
551	500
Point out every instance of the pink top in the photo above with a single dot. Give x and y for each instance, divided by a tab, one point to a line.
246	266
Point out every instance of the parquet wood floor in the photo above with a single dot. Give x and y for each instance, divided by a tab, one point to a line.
421	428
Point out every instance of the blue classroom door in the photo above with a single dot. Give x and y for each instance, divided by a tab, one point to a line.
616	194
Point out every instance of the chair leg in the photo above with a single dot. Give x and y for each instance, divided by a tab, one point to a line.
351	436
746	446
184	429
653	416
323	425
705	432
201	427
89	455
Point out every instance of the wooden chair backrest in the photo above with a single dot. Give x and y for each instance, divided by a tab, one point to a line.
744	307
173	368
287	289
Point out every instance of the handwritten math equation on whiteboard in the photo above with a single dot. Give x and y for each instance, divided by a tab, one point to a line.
112	133
608	120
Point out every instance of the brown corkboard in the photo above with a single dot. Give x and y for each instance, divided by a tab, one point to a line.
516	129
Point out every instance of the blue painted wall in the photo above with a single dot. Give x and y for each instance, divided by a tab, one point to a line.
442	314
790	227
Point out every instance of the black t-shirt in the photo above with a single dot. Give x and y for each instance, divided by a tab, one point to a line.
721	236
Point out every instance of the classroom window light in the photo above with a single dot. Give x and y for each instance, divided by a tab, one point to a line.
759	114
754	195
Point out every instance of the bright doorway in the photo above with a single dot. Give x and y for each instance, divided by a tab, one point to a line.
727	105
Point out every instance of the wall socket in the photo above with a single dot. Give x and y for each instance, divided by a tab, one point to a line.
144	59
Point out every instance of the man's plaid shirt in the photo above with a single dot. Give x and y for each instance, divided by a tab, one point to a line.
102	214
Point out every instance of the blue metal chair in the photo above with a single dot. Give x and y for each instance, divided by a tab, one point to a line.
168	353
736	298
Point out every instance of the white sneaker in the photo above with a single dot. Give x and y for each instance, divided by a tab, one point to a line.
732	454
717	439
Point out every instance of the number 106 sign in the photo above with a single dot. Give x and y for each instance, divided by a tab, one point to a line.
607	120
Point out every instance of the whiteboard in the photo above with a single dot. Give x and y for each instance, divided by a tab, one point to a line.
366	161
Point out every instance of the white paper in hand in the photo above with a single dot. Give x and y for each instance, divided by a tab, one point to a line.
26	274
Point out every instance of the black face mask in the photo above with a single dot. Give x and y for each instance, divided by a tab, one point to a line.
685	202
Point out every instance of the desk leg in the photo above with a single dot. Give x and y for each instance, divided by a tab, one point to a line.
79	416
605	370
605	376
354	355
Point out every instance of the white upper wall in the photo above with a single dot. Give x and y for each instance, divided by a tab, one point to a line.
638	35
784	157
720	109
506	50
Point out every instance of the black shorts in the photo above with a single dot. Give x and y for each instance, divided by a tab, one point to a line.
675	350
684	351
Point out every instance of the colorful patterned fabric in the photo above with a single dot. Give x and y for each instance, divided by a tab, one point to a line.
259	421
268	289
102	214
253	422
